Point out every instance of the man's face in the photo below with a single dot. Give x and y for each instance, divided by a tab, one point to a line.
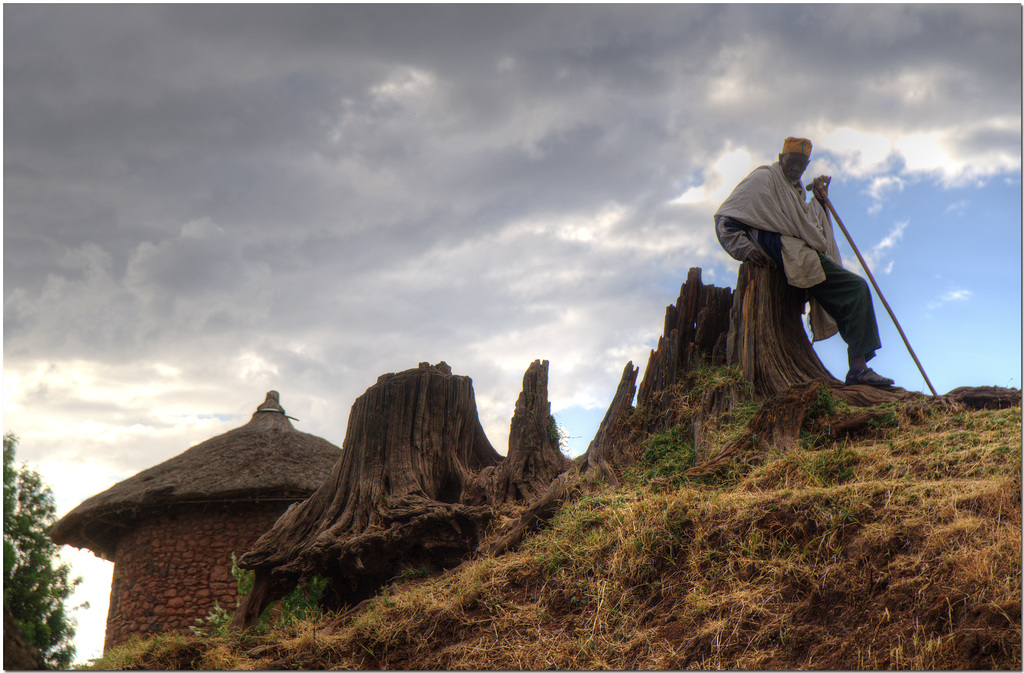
793	165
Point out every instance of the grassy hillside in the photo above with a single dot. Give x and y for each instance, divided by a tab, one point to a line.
898	549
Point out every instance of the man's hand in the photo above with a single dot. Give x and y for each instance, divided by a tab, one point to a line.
820	187
759	257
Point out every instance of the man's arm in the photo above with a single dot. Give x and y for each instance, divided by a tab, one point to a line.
739	244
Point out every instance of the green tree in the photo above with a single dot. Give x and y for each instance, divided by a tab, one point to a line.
36	584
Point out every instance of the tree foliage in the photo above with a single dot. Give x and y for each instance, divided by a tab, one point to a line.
36	583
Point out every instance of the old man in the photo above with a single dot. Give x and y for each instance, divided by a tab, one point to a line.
768	221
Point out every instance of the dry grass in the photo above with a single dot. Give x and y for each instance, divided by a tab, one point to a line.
900	549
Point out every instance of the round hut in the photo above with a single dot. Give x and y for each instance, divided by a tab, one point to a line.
171	530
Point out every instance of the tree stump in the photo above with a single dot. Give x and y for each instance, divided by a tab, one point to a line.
535	470
611	445
533	459
985	397
416	486
694	334
766	334
413	442
758	328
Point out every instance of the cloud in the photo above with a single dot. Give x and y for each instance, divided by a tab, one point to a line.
957	207
201	262
860	154
922	153
727	171
879	189
875	257
291	200
80	309
960	154
888	242
955	295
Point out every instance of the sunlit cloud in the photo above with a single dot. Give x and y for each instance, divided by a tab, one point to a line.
691	195
922	153
726	172
592	228
890	240
960	154
732	167
860	154
963	154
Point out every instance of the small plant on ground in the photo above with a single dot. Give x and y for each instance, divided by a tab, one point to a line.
825	405
833	466
666	458
293	608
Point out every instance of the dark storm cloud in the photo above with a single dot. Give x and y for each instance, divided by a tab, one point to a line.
325	180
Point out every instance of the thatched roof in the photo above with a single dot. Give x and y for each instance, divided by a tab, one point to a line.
264	460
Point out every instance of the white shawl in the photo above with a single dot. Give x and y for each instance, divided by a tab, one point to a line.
765	199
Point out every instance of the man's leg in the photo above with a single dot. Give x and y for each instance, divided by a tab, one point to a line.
846	297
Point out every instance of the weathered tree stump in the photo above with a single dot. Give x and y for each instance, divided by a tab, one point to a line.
562	489
533	459
535	470
695	334
416	486
766	334
985	397
395	497
611	444
780	418
768	342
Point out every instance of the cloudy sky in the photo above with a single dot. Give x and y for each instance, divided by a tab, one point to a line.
204	203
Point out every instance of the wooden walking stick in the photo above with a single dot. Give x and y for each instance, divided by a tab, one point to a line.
864	265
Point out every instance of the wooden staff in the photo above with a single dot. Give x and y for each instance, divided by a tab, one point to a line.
864	265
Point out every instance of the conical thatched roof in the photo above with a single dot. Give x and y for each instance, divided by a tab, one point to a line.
264	460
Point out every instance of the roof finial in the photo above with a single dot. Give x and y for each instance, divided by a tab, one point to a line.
273	403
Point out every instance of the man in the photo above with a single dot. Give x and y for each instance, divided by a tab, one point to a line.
767	221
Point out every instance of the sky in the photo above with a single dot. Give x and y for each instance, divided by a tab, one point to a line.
204	203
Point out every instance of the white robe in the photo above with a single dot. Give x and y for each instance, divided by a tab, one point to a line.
765	199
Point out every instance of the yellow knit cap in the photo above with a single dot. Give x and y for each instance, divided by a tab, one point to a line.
797	145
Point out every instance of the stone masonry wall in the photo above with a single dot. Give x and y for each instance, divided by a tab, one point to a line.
171	568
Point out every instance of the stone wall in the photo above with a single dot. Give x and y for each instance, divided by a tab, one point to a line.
173	566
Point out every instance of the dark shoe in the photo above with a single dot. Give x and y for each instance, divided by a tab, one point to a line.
867	377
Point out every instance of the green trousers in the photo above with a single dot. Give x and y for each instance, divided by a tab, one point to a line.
846	297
